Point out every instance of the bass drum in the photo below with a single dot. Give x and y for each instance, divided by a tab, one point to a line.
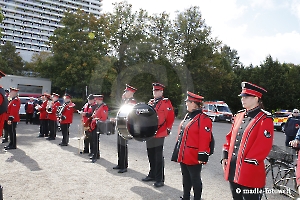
142	122
121	122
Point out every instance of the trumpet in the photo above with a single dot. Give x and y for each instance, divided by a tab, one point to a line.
49	106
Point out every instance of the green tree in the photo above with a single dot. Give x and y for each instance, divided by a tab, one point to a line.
11	61
77	48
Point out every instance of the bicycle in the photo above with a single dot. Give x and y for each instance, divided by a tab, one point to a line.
281	173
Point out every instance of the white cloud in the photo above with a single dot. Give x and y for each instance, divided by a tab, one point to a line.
283	47
295	7
266	4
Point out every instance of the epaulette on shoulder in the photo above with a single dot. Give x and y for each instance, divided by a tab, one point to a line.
267	113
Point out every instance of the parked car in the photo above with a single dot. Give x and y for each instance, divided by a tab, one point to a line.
217	111
280	118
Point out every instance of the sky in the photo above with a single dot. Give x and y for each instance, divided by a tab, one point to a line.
255	28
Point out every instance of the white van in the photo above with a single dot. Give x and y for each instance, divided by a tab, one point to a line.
217	111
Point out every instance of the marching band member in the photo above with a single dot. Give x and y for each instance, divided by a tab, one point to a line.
44	121
3	105
29	109
166	116
66	118
5	117
13	118
87	112
51	110
247	145
193	145
100	113
127	98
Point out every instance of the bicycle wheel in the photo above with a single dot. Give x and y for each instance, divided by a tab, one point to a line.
280	179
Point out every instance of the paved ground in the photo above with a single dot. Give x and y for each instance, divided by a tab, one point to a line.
41	169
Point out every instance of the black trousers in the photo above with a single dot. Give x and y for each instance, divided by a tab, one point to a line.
29	117
156	158
12	135
88	145
5	135
191	177
122	152
52	128
44	127
240	192
65	133
95	146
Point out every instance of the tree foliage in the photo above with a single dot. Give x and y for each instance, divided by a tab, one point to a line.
10	60
127	47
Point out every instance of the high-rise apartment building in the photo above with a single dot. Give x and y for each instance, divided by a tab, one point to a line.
29	23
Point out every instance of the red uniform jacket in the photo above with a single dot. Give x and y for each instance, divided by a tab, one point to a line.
166	116
42	110
88	109
100	113
193	141
52	114
67	114
3	109
247	145
29	107
13	109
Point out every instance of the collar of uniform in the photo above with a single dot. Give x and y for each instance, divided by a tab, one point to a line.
194	113
253	112
159	98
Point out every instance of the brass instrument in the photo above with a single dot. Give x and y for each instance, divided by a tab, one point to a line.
60	109
49	106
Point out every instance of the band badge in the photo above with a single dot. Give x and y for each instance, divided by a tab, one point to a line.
267	134
207	129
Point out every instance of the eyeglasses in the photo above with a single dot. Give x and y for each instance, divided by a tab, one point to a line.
295	112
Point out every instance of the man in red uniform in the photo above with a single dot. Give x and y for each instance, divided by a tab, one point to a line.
247	145
100	113
87	111
13	118
29	109
3	105
66	118
44	121
127	98
51	110
166	116
5	136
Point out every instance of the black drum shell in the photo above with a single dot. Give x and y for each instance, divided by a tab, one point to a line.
142	122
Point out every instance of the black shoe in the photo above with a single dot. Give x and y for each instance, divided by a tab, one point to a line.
6	146
158	184
98	157
9	147
122	170
4	141
117	167
49	138
84	152
148	178
40	136
63	144
94	160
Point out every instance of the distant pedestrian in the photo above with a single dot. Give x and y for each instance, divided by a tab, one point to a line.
291	127
29	109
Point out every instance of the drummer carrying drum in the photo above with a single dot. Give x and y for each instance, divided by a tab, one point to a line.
127	98
166	116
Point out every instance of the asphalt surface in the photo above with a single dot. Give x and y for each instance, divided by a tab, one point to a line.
41	169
